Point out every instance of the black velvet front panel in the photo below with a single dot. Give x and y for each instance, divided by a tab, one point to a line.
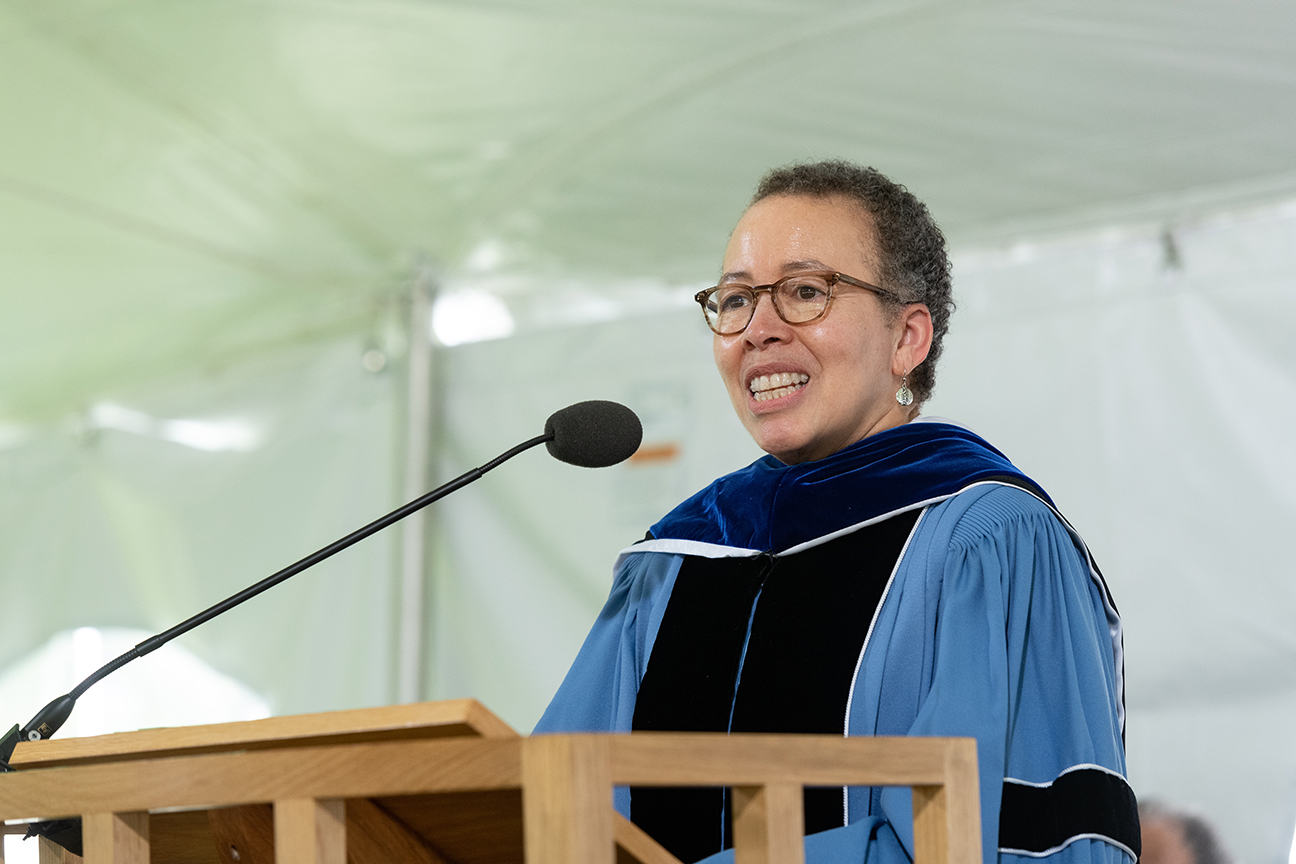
688	687
809	614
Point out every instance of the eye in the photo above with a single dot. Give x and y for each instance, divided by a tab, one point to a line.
731	298
805	289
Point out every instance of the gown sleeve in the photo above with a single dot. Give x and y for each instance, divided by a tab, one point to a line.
1023	659
993	628
598	693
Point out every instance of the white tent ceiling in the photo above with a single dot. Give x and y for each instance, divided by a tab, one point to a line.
184	183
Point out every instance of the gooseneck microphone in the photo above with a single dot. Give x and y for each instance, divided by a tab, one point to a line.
592	434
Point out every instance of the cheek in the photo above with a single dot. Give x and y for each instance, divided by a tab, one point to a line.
727	358
861	366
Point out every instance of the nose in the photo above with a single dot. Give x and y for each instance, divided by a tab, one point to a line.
766	327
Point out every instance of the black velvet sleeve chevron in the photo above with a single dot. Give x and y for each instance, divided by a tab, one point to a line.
1085	802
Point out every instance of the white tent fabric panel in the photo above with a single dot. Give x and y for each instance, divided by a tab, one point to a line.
1164	400
525	554
175	688
105	527
183	183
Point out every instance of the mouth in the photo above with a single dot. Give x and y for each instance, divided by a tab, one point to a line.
767	387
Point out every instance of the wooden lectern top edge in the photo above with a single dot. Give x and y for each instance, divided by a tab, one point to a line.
449	718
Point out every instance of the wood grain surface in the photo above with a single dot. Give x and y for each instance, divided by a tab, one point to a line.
441	795
220	779
451	718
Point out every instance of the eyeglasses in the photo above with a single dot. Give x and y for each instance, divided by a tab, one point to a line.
798	299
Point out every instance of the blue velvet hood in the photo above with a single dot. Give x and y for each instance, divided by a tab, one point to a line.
772	507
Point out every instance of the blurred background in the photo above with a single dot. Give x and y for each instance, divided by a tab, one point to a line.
268	268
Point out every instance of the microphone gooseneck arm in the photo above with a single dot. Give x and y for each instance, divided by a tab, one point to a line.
48	720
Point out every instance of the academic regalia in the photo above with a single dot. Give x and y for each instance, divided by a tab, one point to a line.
914	583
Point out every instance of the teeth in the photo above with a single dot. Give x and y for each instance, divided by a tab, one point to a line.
767	387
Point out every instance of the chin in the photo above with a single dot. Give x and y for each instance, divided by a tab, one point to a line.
783	445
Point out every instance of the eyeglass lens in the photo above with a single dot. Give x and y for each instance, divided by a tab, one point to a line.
797	299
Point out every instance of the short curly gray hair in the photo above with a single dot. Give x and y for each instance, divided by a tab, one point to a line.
914	262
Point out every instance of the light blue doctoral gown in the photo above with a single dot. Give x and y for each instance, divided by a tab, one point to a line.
993	626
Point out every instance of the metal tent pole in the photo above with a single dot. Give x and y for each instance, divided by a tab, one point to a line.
419	403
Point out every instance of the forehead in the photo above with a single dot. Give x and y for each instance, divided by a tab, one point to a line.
785	233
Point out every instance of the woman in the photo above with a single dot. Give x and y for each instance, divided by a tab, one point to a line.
876	573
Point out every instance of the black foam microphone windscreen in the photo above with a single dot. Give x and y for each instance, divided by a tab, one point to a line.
593	434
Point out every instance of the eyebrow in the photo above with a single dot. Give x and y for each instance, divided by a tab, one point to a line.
789	267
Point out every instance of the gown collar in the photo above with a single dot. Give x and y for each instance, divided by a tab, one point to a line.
772	506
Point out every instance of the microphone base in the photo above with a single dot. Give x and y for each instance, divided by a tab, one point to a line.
7	745
61	832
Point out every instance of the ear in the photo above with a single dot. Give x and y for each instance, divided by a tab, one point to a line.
913	332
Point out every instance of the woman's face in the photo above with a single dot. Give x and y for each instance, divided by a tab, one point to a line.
829	383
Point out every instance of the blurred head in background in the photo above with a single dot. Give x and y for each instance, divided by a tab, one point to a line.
1176	837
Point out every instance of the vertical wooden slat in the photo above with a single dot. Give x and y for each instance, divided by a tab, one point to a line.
963	802
567	800
769	824
310	831
115	838
243	835
50	852
947	818
930	825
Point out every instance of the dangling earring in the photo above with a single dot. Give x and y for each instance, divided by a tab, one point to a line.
904	395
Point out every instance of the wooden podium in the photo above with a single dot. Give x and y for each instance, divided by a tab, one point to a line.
450	783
